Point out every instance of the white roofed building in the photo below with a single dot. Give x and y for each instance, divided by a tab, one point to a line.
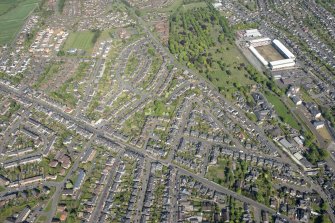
279	64
252	33
260	42
258	55
286	53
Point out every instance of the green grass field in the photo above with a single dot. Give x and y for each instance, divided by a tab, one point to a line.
194	5
233	58
5	6
282	110
305	96
171	7
174	5
217	172
80	40
13	14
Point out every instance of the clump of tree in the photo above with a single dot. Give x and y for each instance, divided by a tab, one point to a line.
96	35
329	114
16	79
314	153
185	2
60	5
323	218
191	35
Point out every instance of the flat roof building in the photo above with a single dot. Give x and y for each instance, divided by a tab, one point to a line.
318	124
80	180
285	143
23	214
252	33
17	162
279	64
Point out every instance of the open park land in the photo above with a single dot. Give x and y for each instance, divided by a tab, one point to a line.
13	14
80	40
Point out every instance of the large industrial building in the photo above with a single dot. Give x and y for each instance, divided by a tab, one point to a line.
276	56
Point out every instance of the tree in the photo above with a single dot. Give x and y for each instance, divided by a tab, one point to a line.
260	198
237	85
312	155
324	206
323	153
61	53
329	114
322	219
172	46
209	77
221	38
138	12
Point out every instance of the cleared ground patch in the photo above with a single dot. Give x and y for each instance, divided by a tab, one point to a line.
269	53
324	133
12	17
80	40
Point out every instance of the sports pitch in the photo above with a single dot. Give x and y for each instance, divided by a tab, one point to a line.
80	40
269	53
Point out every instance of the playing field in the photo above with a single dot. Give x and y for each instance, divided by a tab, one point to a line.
80	40
269	53
13	14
